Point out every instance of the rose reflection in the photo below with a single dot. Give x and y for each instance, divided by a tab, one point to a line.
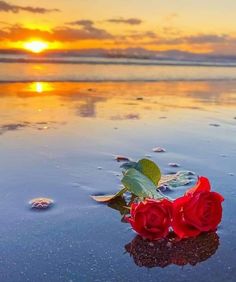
168	251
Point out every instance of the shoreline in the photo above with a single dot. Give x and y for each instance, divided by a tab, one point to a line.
118	81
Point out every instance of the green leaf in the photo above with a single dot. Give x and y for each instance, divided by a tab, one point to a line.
149	169
128	165
146	167
119	204
138	184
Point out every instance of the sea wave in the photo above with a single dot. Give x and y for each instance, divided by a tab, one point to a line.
113	61
114	80
122	70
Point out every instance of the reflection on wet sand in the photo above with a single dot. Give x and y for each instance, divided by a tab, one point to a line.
171	251
40	87
95	122
88	108
18	126
30	102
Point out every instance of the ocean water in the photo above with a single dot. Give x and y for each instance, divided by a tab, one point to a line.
60	139
12	69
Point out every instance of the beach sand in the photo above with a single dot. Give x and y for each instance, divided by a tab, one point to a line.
59	140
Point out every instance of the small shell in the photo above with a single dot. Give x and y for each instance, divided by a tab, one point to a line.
122	159
159	150
41	203
173	165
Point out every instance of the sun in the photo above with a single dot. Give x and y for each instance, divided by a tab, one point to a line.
36	46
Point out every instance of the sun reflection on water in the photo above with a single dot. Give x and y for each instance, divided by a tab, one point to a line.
162	103
40	87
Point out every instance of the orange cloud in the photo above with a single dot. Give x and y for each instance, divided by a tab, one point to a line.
7	7
130	21
85	23
86	32
195	39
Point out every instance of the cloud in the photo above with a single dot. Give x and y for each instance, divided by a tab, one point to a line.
7	7
175	38
81	23
139	35
64	34
85	33
19	33
130	21
206	38
199	39
88	30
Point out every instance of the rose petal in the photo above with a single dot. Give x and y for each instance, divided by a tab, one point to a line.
203	185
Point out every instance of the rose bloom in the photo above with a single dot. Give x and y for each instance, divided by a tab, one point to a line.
151	218
199	210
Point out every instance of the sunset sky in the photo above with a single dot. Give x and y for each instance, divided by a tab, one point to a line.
203	26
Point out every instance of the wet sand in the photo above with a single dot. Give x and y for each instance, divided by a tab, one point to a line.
58	140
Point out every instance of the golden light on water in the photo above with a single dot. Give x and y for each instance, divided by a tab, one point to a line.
40	87
36	46
69	101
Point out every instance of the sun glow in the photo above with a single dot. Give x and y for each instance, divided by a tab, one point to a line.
36	46
40	87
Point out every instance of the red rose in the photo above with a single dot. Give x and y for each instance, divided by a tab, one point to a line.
198	211
151	218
